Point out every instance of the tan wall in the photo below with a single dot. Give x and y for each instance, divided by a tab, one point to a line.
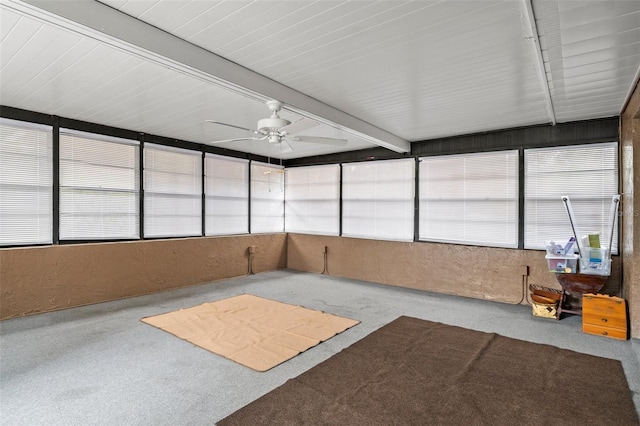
630	172
40	279
479	272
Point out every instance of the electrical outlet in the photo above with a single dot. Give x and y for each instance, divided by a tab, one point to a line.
524	269
252	249
326	249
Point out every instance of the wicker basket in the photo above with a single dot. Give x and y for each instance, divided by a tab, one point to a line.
545	301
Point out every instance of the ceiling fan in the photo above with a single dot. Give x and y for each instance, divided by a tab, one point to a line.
279	131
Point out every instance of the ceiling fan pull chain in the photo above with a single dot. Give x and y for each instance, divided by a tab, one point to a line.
269	162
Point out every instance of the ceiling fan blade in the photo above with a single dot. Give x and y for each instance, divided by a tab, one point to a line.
299	126
321	140
231	125
236	139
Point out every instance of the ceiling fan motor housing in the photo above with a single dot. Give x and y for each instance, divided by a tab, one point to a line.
267	125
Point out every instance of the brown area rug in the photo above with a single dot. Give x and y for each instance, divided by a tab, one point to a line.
252	331
416	372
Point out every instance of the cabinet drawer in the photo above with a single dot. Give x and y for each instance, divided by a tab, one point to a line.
603	304
605	320
615	333
603	310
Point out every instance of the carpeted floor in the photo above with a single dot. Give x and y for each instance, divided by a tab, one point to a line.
100	365
413	371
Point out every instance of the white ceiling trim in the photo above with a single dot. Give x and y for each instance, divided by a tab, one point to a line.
110	26
532	30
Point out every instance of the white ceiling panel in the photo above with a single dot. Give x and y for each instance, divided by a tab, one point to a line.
391	63
373	72
592	55
46	68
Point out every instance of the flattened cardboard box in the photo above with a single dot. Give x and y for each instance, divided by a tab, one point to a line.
256	332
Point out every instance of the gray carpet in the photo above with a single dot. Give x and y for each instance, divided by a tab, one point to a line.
100	365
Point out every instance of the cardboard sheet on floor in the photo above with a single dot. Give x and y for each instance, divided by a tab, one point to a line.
256	332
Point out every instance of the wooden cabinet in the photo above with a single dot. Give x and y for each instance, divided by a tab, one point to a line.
604	315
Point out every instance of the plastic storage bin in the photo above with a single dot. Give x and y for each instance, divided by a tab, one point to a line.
562	264
595	261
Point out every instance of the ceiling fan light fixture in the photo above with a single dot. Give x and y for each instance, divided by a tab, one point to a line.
274	138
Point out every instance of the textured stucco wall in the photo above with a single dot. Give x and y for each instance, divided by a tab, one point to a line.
479	272
40	279
630	173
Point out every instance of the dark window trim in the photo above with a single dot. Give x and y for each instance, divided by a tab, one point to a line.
540	136
141	139
249	182
340	203
416	202
202	196
55	214
91	241
521	199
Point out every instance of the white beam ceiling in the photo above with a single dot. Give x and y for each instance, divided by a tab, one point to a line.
139	38
381	73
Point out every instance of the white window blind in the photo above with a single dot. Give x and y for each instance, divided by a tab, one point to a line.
99	187
312	199
172	192
267	198
470	199
26	194
588	174
226	195
378	199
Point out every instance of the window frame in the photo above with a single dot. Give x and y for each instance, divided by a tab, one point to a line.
259	203
148	182
93	190
471	175
328	200
44	180
578	203
208	196
351	205
530	137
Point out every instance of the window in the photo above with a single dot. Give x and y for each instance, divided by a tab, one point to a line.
312	200
172	192
378	199
26	194
227	195
99	187
470	199
267	198
588	174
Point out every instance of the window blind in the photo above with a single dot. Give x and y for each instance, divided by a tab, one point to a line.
26	194
588	174
470	199
226	195
312	199
378	199
267	198
172	191
99	187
